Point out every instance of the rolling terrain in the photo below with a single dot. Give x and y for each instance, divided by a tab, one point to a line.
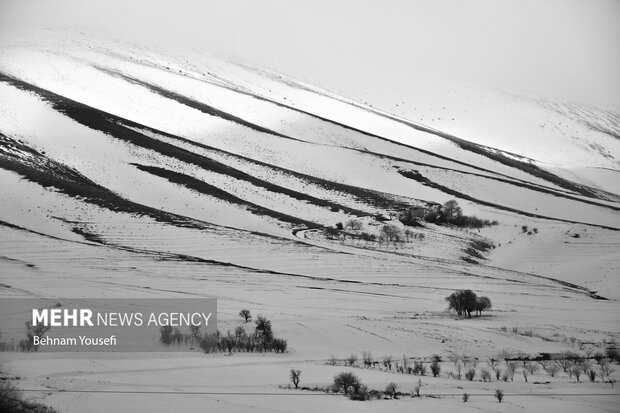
129	172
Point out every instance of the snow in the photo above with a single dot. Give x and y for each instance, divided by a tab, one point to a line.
326	297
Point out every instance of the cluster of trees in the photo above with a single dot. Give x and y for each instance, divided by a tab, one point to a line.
388	234
403	365
505	366
452	213
261	340
464	302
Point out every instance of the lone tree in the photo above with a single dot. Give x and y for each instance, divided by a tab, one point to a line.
295	377
391	390
346	381
245	314
463	302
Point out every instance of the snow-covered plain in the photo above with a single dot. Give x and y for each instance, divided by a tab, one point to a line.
128	172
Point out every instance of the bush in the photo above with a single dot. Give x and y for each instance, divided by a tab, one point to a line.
499	395
12	401
485	374
470	374
465	397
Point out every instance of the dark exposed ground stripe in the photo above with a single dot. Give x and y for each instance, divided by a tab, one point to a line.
492	153
313	115
51	174
48	173
371	196
115	126
202	107
531	187
506	179
416	176
211	190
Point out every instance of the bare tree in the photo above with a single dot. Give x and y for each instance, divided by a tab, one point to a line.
352	360
416	389
499	395
532	367
367	358
387	362
552	369
295	377
391	390
346	381
511	368
246	315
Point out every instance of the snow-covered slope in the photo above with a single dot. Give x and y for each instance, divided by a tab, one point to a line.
131	172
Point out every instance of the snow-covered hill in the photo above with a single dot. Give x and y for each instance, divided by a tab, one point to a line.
127	171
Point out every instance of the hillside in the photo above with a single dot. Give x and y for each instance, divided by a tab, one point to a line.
130	172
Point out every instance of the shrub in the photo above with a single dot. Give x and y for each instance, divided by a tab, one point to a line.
465	397
499	395
435	368
592	375
279	345
485	374
11	401
470	374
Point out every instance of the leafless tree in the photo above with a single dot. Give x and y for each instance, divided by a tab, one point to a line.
295	377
